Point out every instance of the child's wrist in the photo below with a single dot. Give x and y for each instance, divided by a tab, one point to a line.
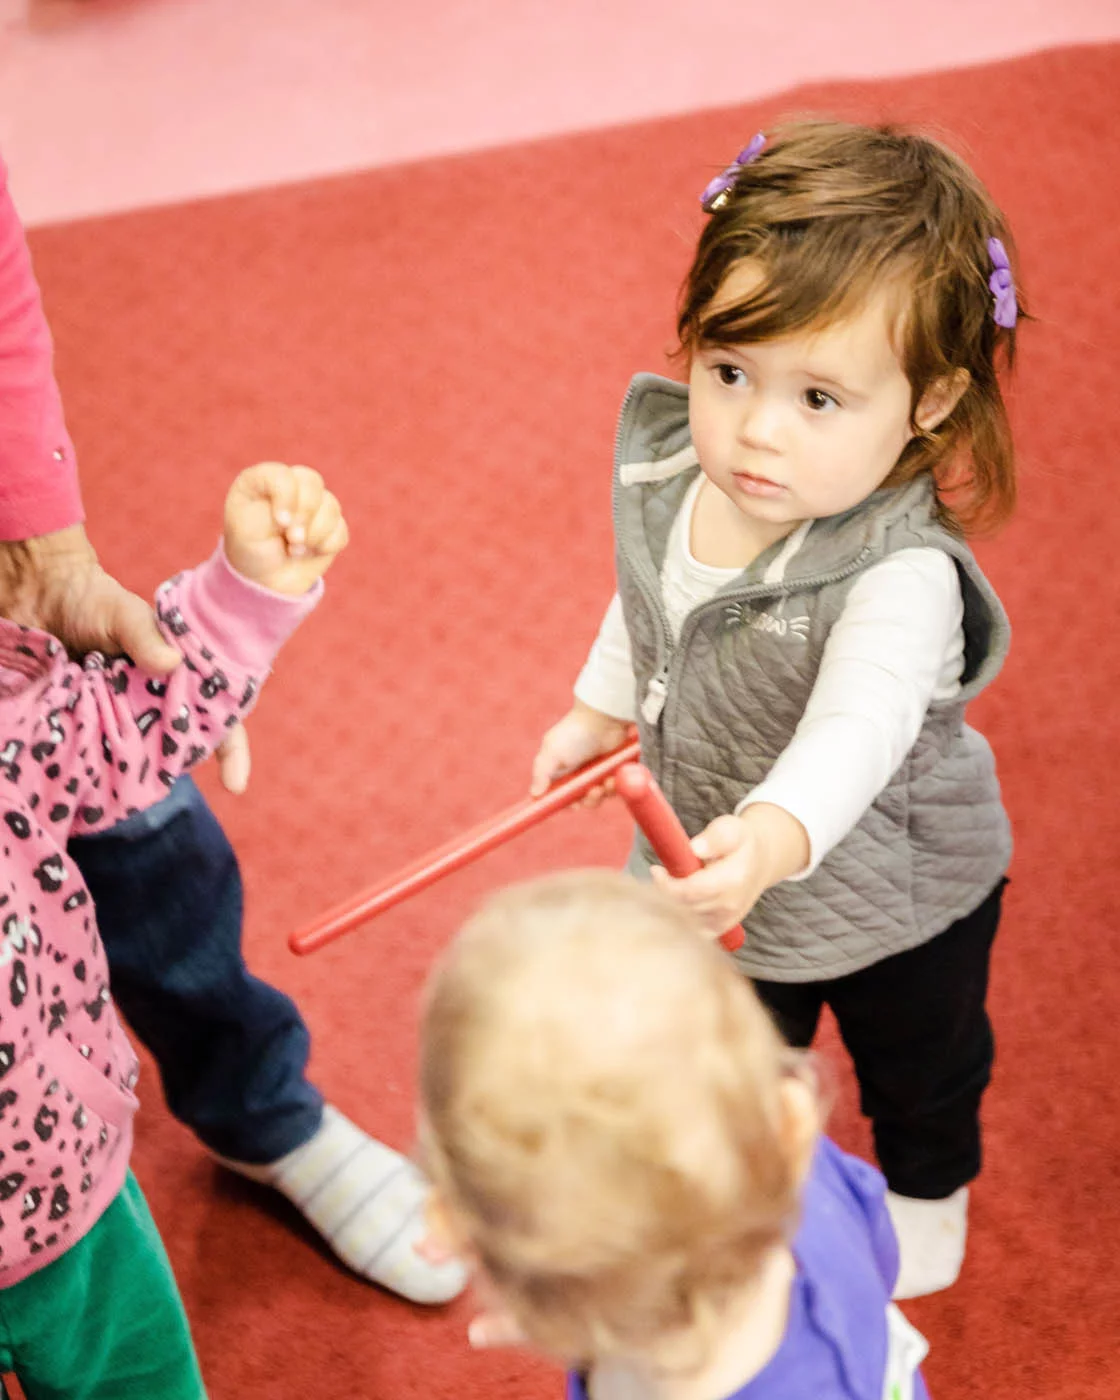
241	562
245	620
780	843
603	723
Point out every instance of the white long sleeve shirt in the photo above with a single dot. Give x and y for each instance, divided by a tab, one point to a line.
897	646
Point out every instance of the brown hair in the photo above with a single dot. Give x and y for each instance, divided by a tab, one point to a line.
601	1111
830	211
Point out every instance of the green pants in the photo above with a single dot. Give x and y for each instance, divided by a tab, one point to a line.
104	1321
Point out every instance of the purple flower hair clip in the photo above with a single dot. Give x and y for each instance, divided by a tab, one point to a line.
1002	285
718	191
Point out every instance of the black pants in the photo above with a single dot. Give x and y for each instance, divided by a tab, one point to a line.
919	1036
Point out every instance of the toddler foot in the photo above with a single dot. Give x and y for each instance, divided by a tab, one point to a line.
367	1202
931	1239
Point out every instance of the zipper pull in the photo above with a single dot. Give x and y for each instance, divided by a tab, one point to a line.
656	692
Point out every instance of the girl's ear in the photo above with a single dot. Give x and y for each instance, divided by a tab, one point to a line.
940	399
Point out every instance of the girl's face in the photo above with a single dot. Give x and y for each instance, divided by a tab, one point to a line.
804	426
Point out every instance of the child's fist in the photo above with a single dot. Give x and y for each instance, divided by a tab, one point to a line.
743	856
283	527
583	734
723	892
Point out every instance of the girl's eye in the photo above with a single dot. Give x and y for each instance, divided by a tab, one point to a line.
729	375
818	400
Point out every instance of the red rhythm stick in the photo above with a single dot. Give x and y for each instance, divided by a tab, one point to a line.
650	809
458	852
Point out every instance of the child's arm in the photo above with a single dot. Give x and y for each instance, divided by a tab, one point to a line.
105	740
878	676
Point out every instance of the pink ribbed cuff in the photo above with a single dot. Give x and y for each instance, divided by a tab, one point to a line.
243	622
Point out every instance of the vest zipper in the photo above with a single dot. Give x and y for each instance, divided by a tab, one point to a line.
653	702
655	696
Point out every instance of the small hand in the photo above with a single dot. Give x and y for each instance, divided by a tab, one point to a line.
727	887
583	734
743	855
283	528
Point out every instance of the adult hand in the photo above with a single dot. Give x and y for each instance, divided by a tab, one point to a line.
54	582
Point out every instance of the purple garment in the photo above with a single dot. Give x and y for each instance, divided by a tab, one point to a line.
835	1343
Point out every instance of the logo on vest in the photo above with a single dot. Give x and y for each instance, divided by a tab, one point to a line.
743	615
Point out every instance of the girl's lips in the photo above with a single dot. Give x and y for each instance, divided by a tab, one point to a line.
757	485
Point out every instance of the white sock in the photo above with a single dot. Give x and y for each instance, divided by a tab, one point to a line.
367	1202
931	1239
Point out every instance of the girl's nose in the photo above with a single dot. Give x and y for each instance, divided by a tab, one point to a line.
760	424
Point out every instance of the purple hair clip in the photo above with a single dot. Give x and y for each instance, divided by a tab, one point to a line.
718	191
1002	286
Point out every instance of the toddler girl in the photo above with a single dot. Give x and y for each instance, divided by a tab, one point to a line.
89	1306
799	623
629	1155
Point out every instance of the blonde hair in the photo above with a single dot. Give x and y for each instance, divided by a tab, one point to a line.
602	1113
829	212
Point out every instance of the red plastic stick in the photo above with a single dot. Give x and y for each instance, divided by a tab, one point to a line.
650	809
458	852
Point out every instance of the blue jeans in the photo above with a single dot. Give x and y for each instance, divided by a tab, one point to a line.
231	1050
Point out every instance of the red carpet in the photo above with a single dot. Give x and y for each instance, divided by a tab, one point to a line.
448	343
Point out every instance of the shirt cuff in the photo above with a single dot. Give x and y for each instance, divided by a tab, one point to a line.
39	492
242	621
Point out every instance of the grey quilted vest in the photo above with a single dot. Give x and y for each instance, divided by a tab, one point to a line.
723	702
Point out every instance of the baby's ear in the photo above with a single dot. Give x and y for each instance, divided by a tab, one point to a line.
940	399
801	1118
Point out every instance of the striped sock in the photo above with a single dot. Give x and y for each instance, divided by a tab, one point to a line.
367	1202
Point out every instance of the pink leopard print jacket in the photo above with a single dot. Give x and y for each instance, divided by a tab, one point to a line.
80	748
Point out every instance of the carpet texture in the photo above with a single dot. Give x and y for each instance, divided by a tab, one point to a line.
448	343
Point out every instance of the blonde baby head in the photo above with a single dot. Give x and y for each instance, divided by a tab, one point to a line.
823	228
615	1130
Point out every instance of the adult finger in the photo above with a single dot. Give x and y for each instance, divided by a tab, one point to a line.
132	628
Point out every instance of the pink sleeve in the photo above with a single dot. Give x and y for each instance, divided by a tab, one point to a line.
109	739
38	474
